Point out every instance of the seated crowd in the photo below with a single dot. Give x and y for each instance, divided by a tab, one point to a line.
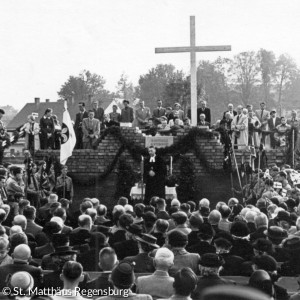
160	251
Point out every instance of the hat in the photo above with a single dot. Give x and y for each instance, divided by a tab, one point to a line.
211	260
63	250
262	245
205	231
175	104
292	244
175	202
123	275
177	237
149	217
134	229
125	100
284	216
179	217
273	110
222	243
291	203
51	227
60	239
276	233
22	280
265	262
147	239
239	229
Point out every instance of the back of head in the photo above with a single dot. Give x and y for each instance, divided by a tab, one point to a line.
204	203
250	216
123	201
29	212
195	220
177	238
85	205
53	198
107	259
261	220
85	221
92	212
17	239
214	217
185	281
22	253
164	258
261	280
162	225
102	210
22	281
21	221
122	275
225	211
15	229
72	271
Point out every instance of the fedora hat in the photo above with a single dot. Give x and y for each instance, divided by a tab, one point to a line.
147	239
64	250
211	260
276	233
292	244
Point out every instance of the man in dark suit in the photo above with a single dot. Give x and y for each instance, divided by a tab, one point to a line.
78	125
273	122
155	172
99	111
30	214
21	257
126	112
203	110
47	130
202	121
158	112
232	112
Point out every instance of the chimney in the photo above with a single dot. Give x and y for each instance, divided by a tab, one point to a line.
37	101
47	100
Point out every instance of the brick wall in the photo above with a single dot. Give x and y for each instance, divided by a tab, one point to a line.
87	163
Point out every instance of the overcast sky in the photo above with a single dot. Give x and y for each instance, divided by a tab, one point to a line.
43	42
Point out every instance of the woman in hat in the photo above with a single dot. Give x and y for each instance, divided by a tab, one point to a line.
32	131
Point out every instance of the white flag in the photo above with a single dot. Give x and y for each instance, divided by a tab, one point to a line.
68	138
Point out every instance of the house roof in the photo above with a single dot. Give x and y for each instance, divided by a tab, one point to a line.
58	109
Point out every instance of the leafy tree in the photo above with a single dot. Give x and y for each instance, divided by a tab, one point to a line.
82	87
286	73
125	89
267	65
243	73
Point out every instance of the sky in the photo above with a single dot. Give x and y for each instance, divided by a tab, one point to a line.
43	42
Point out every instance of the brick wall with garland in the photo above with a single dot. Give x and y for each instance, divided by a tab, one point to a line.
89	163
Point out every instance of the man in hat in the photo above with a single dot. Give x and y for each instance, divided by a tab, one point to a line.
142	115
83	114
209	266
126	112
122	278
143	262
159	284
21	257
91	130
158	112
155	172
273	122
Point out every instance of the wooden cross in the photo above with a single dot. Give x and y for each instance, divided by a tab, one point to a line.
193	49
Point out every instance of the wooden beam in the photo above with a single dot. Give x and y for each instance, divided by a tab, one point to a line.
193	72
192	49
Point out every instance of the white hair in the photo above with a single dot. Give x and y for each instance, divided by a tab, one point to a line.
204	203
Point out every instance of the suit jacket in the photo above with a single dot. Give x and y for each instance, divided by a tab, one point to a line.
90	125
263	117
271	123
205	124
126	248
143	263
33	228
35	272
47	125
127	115
79	119
158	285
99	113
206	112
157	113
142	116
102	282
12	186
179	113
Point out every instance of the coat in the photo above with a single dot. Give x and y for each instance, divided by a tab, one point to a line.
157	113
240	124
263	118
93	125
36	132
99	114
206	112
178	113
127	115
142	115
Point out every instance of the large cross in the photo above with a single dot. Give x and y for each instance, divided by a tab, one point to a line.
193	49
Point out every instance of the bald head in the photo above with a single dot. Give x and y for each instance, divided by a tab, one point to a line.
23	281
22	253
21	221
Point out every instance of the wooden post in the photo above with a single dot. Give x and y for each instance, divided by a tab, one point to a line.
142	175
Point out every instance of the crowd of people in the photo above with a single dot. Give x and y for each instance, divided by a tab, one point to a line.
162	250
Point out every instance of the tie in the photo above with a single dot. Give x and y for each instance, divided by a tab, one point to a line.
3	196
262	112
238	118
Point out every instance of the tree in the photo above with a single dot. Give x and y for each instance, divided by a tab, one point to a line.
152	85
267	65
286	73
125	89
243	74
82	87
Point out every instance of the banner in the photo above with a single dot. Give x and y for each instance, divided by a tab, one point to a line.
68	138
159	141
